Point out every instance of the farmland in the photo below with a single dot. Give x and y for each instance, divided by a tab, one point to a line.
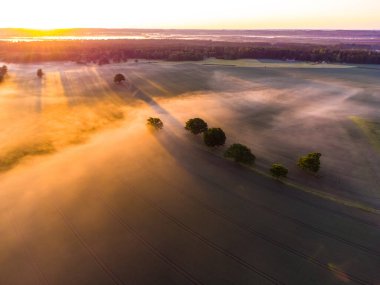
90	195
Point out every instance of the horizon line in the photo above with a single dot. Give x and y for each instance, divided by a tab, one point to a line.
194	29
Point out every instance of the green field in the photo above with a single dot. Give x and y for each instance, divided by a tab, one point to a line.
90	195
371	129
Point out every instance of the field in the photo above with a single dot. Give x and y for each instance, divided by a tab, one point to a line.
90	195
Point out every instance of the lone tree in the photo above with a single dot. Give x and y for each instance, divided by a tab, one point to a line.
119	78
240	153
196	126
310	162
278	170
4	70
40	73
214	137
155	123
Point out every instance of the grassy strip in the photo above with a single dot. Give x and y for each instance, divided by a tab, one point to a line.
320	194
15	156
334	198
370	129
299	187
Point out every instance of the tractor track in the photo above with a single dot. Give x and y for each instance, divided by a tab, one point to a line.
115	279
296	221
211	244
36	267
256	233
149	246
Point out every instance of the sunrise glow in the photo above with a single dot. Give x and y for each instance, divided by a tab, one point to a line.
239	14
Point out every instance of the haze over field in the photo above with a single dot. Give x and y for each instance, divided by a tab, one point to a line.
199	142
90	195
259	103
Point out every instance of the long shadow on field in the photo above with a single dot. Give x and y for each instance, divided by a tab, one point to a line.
139	94
227	176
38	105
221	177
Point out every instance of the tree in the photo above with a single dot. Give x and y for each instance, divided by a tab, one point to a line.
4	70
310	162
196	126
278	170
240	153
155	123
40	73
214	137
119	78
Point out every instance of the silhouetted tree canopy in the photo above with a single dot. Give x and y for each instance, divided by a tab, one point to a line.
214	137
155	123
119	78
278	170
196	126
310	162
4	70
102	52
103	60
40	73
240	153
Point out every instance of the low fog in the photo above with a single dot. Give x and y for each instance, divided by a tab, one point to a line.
280	111
80	169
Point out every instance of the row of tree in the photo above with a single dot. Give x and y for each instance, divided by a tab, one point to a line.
104	52
214	137
242	154
238	152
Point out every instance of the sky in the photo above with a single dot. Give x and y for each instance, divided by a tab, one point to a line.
204	14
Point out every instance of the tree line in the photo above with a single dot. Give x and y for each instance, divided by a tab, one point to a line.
105	52
215	137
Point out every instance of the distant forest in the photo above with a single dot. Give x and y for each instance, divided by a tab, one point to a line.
107	51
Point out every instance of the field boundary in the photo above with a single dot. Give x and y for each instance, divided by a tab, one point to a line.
309	190
365	126
321	194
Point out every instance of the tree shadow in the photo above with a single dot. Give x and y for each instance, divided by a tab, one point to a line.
38	101
152	103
